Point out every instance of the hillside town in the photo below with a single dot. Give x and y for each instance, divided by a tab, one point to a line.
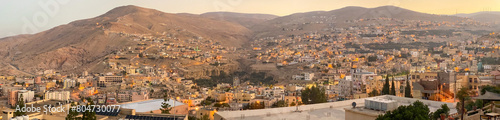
322	74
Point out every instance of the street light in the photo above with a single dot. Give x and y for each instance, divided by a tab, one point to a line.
297	101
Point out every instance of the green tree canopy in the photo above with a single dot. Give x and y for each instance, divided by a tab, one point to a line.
313	95
204	117
279	103
373	93
255	105
494	89
415	111
443	110
292	104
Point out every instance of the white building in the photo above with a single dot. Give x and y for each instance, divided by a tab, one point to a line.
361	80
414	53
345	87
308	76
57	95
276	92
27	95
81	80
68	83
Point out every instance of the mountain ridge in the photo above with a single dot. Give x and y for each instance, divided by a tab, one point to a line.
82	43
318	20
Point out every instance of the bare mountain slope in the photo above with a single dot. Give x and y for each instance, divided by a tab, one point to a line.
85	42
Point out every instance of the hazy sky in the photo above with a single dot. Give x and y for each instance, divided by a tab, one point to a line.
32	16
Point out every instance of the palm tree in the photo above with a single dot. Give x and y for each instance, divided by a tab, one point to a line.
463	94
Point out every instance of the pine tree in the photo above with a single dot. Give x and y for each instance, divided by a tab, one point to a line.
20	104
385	88
88	114
408	88
72	113
393	87
305	95
165	107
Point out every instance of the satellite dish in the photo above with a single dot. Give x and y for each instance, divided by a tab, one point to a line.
353	104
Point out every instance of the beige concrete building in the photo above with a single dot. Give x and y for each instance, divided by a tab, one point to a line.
103	80
57	95
244	97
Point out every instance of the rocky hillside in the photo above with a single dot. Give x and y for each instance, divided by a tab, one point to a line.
82	43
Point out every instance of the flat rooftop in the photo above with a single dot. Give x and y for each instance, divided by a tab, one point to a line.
323	111
149	105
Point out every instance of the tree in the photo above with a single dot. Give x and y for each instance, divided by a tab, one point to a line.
207	101
165	107
77	84
217	105
373	93
88	114
256	105
19	105
494	89
226	105
385	88
326	82
204	117
443	110
124	73
372	58
463	94
292	104
408	88
191	118
313	95
393	88
221	105
279	103
415	111
72	113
